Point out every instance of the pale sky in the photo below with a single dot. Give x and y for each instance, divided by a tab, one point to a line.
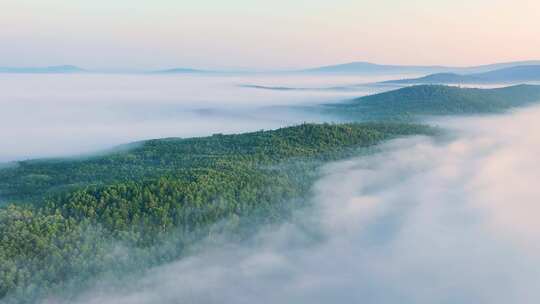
271	34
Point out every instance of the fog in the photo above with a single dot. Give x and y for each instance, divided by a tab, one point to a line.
57	114
424	221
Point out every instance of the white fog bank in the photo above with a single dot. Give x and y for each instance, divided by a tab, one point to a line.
424	221
58	115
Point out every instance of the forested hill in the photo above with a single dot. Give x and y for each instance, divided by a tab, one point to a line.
156	200
34	178
438	100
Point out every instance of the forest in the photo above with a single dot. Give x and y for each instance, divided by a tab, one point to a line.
411	102
71	221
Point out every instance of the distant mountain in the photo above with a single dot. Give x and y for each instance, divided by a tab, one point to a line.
507	75
371	68
439	100
492	67
367	67
439	78
180	71
43	70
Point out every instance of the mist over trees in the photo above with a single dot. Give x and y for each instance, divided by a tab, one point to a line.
127	211
72	221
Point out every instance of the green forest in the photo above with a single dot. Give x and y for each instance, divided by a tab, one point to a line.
70	221
410	102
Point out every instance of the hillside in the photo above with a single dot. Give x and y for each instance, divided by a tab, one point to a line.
507	75
157	199
438	100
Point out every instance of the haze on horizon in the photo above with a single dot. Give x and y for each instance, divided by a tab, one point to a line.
281	34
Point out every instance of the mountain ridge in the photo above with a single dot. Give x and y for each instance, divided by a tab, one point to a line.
505	75
368	67
438	100
356	67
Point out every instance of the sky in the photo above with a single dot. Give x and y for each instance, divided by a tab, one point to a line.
277	34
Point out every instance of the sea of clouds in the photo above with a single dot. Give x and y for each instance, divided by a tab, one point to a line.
426	220
48	115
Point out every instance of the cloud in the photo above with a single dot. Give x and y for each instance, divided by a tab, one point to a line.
424	221
59	115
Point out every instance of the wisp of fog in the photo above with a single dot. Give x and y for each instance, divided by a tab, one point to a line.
424	221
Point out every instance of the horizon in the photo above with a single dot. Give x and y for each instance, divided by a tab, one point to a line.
257	69
282	35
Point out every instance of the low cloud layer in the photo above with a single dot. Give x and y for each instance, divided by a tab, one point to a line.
59	115
425	221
